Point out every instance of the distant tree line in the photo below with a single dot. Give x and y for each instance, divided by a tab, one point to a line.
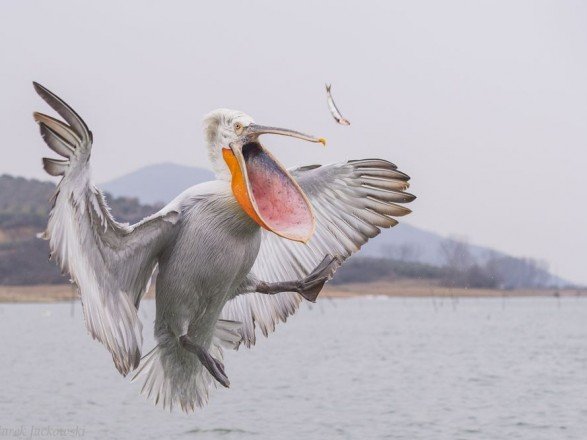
459	268
462	269
366	269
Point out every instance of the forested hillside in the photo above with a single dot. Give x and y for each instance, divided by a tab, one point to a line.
24	208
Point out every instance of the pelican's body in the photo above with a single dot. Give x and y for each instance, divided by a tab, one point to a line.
234	254
199	273
190	293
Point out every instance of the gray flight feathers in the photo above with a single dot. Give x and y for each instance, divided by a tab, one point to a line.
109	262
70	141
352	202
62	129
65	111
55	167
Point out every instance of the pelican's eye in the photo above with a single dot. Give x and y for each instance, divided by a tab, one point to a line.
238	127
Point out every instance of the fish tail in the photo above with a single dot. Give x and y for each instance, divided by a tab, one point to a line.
328	87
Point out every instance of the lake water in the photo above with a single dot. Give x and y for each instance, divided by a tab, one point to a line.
367	368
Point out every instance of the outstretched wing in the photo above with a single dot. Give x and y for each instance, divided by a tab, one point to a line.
111	263
352	202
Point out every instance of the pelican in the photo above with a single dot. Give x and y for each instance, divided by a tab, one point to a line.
234	255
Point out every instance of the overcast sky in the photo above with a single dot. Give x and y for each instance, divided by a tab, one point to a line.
483	103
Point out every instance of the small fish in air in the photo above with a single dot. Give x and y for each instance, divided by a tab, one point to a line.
332	106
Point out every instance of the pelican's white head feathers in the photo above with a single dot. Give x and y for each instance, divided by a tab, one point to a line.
221	127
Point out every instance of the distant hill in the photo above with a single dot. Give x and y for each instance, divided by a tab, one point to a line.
157	183
406	243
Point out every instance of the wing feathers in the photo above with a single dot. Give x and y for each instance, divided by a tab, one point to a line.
384	195
110	263
55	141
55	167
65	111
352	202
59	127
385	208
383	183
384	173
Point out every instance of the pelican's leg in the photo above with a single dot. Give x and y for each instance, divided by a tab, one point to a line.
214	366
310	286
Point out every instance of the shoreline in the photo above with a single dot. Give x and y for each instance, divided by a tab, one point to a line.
416	288
400	288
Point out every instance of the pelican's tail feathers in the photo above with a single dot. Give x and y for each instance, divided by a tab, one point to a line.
175	377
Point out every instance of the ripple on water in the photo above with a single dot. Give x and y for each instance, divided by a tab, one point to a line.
219	432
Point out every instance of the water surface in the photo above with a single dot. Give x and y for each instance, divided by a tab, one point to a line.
370	368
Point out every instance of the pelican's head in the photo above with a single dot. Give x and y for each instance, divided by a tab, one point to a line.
261	185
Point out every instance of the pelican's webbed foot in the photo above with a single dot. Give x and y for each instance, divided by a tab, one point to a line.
310	286
214	366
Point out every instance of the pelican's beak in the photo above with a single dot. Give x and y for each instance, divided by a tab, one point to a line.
265	189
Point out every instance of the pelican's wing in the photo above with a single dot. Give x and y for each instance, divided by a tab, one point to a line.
352	202
111	263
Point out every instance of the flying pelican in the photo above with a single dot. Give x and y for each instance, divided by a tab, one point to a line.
233	254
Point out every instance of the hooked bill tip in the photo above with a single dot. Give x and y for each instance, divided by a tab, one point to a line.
322	141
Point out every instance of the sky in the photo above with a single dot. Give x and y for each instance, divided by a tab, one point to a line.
483	104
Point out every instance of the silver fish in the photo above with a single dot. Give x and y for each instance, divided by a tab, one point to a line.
333	109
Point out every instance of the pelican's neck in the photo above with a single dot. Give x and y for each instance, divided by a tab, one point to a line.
218	165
